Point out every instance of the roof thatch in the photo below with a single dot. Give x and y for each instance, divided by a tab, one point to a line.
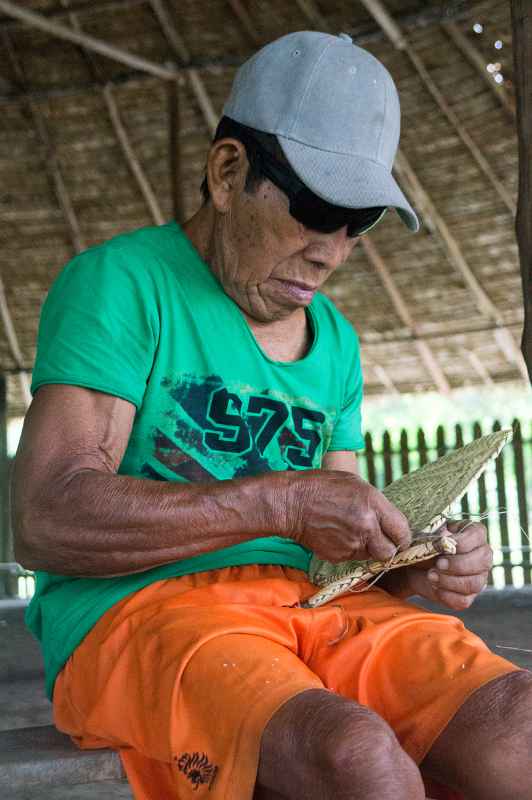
436	310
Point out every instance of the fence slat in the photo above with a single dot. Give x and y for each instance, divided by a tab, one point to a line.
482	495
370	460
441	446
459	442
405	455
422	447
502	505
387	457
519	471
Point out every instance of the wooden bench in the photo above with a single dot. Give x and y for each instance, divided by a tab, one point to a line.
42	756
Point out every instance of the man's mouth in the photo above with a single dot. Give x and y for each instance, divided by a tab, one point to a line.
303	292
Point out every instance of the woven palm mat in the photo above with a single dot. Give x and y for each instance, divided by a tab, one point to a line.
425	497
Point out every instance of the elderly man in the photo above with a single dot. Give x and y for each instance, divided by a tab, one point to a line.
193	440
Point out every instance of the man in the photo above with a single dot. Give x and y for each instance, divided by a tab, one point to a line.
193	439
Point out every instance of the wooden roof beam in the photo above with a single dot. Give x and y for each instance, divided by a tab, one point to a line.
478	366
174	155
478	61
424	350
51	162
121	134
59	31
397	37
457	259
383	377
314	15
245	20
133	162
522	47
194	78
14	346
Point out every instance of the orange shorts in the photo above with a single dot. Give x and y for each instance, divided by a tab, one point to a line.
183	676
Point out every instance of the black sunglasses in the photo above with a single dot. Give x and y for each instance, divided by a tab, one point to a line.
305	206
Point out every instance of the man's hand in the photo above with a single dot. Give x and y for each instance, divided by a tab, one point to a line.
339	517
453	581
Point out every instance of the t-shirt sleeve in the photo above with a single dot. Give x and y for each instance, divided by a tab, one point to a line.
99	325
347	433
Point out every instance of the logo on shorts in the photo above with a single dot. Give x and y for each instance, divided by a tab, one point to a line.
197	768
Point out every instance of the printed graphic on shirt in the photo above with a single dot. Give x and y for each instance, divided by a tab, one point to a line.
220	431
197	768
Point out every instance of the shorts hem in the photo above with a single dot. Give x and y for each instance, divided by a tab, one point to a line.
418	749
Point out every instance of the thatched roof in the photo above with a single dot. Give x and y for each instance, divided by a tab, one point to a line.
436	310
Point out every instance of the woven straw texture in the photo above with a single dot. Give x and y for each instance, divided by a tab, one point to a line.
425	496
55	123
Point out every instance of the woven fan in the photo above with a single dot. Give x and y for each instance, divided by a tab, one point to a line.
425	497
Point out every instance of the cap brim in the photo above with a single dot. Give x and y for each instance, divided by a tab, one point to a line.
347	180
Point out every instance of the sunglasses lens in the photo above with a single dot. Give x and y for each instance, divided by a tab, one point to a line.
305	206
318	215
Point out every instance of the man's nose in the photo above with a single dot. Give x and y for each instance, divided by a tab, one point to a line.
335	246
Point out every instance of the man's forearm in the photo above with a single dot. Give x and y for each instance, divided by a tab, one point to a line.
106	524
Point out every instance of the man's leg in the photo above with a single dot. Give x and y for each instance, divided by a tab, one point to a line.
319	745
486	750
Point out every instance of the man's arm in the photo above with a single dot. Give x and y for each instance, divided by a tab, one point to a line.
345	460
73	515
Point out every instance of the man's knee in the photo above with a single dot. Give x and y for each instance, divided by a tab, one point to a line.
493	730
364	753
338	747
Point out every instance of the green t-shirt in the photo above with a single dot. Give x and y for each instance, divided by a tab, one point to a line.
143	318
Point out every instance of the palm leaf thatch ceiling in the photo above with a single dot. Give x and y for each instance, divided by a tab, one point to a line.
106	112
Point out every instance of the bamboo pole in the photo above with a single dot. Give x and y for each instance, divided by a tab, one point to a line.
84	40
14	345
380	13
424	350
456	257
522	47
314	15
51	161
131	158
174	156
245	20
120	131
194	78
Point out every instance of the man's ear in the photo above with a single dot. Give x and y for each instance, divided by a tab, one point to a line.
227	167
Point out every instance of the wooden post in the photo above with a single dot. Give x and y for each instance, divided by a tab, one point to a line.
519	472
522	48
482	495
5	534
502	507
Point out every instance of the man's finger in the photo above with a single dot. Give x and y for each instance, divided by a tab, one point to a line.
459	584
468	536
472	563
395	526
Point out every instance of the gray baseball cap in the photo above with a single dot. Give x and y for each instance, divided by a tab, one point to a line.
335	111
